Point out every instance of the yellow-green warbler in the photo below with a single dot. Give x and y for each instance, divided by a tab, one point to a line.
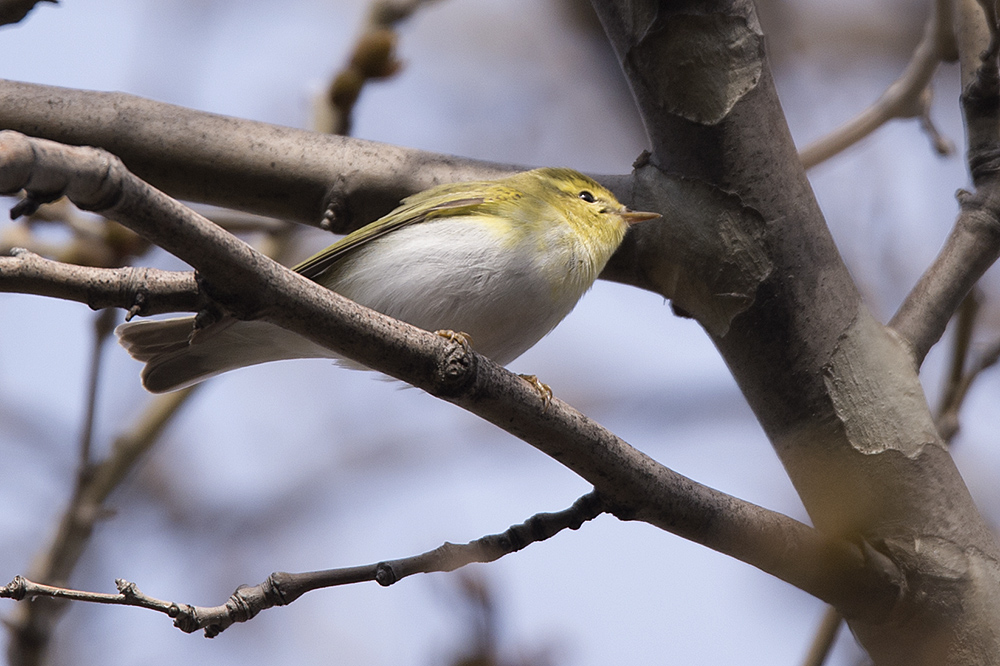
502	261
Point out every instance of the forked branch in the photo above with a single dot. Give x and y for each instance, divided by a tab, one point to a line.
909	96
974	243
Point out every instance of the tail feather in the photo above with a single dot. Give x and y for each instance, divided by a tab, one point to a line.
176	358
144	340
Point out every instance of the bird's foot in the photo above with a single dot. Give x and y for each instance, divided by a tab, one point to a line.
543	389
458	338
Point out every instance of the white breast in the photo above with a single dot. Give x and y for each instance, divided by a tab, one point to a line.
466	278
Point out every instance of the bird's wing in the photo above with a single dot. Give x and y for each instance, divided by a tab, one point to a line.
443	201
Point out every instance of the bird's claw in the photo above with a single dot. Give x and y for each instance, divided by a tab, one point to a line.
544	392
458	338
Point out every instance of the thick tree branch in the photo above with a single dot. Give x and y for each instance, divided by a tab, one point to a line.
320	179
248	284
336	182
837	393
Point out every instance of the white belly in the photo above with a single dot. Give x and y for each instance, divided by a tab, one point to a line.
465	279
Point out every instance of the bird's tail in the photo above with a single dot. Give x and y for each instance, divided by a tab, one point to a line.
175	357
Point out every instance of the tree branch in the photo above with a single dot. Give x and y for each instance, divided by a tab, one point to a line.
907	97
837	394
948	417
104	324
12	11
855	578
974	243
141	291
31	625
31	629
281	589
336	182
372	58
823	640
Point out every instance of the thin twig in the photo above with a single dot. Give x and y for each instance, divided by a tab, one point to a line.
372	58
826	633
104	323
907	97
952	397
31	626
948	423
282	588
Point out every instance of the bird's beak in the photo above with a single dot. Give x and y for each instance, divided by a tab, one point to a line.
636	216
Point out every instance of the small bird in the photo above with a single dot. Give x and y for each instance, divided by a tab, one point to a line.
500	261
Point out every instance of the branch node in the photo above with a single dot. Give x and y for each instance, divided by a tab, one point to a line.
30	204
885	571
185	618
241	604
127	589
980	212
16	589
224	301
138	305
456	367
384	575
276	584
336	216
984	162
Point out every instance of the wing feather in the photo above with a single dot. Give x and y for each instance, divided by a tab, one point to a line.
439	202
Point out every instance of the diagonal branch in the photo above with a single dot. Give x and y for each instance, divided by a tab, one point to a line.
907	97
823	640
854	577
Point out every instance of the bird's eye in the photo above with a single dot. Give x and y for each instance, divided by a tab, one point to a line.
587	196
